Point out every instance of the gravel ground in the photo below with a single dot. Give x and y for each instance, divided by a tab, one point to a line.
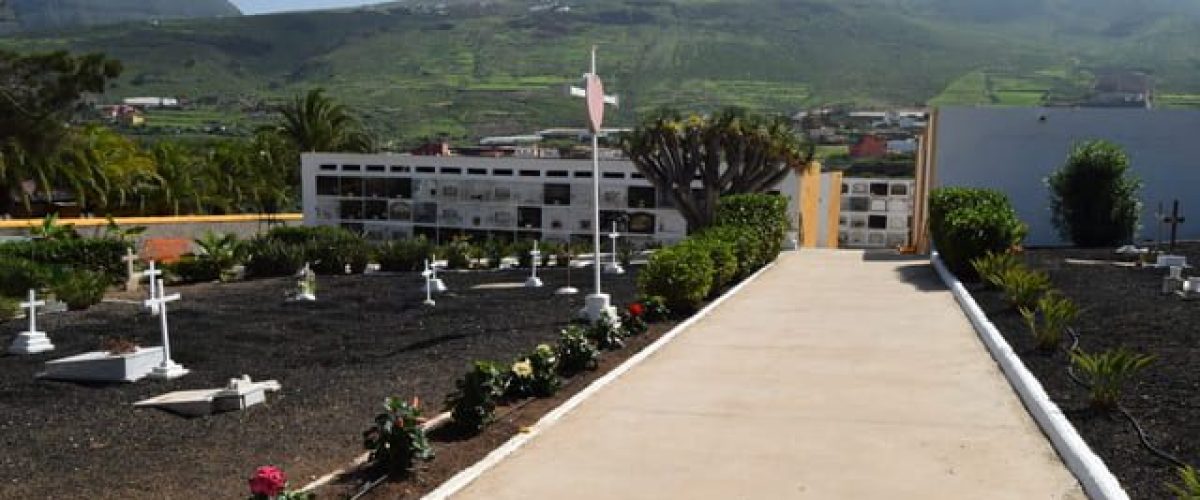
367	338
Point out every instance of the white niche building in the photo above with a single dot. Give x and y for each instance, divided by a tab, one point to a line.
395	196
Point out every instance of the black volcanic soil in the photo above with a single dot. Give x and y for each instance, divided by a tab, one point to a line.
1122	307
367	338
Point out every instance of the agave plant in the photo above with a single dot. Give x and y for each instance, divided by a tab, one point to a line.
1050	320
1189	484
1107	373
1023	287
220	251
992	266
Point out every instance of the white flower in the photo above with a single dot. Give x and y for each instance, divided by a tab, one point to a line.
523	369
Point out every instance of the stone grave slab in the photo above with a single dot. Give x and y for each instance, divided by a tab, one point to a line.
102	366
238	395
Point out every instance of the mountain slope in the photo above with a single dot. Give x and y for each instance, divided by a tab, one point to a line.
39	15
467	68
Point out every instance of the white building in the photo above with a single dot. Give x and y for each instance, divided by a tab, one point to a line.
875	213
398	196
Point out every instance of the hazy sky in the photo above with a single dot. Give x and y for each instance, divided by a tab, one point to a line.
261	6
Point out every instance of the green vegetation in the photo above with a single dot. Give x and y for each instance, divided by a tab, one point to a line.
1107	373
1050	320
1093	197
968	223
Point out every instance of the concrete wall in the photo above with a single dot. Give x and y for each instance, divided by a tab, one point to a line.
1014	149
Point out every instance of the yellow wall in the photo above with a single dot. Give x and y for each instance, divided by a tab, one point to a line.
150	221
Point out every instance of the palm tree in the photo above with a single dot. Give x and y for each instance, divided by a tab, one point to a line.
315	123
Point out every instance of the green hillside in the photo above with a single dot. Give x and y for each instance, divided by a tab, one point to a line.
38	15
471	69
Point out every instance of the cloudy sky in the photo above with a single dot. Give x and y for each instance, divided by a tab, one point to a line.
261	6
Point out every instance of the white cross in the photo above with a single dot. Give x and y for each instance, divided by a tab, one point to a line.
613	236
535	255
159	303
32	305
593	94
428	275
153	275
132	277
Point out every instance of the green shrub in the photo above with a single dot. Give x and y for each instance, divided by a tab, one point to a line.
967	223
96	254
18	276
1050	320
397	440
337	255
270	258
79	288
655	308
633	320
535	375
605	334
747	248
404	255
1093	198
575	352
1189	484
473	403
1023	287
9	307
1107	373
725	263
625	253
221	252
458	253
681	275
992	266
191	268
765	214
495	251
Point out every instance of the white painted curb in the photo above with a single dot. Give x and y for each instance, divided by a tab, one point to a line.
470	474
1098	482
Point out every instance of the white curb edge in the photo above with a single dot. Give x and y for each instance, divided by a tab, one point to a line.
470	474
1098	482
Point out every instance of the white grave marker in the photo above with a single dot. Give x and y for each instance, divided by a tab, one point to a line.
132	277
535	255
239	394
31	341
614	266
168	368
306	284
428	275
153	275
439	286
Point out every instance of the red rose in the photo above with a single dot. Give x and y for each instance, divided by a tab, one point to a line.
268	480
636	309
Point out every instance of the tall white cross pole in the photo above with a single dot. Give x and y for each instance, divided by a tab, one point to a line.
167	369
153	274
597	304
535	255
32	341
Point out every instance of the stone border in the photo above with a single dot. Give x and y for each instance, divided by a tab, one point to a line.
466	476
1098	482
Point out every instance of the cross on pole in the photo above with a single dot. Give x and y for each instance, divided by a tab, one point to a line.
593	94
153	275
132	278
32	305
535	255
167	368
1174	220
428	275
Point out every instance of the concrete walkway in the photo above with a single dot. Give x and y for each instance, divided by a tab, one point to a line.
834	376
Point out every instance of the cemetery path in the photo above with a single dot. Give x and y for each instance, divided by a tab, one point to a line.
836	374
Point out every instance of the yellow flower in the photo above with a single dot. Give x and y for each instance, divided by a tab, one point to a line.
523	369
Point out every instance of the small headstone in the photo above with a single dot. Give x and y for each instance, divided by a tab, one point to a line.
536	256
1171	261
238	394
306	285
31	341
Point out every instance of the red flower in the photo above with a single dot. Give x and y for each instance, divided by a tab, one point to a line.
636	309
268	480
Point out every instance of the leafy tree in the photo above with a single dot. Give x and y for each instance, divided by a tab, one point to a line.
730	153
1093	198
314	122
39	95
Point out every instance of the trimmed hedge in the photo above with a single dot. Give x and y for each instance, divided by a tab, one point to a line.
968	223
749	235
18	276
96	254
329	250
404	255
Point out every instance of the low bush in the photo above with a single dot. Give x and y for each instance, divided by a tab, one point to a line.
1050	320
495	251
1189	484
404	255
330	250
270	258
747	248
473	403
1093	197
575	352
9	307
764	214
682	275
721	252
605	334
967	223
535	375
191	268
397	440
79	288
18	276
655	307
633	320
458	253
95	254
1023	287
221	252
992	266
1107	373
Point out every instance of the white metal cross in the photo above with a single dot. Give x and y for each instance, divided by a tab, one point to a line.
153	275
593	93
428	275
613	236
159	303
534	256
32	305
